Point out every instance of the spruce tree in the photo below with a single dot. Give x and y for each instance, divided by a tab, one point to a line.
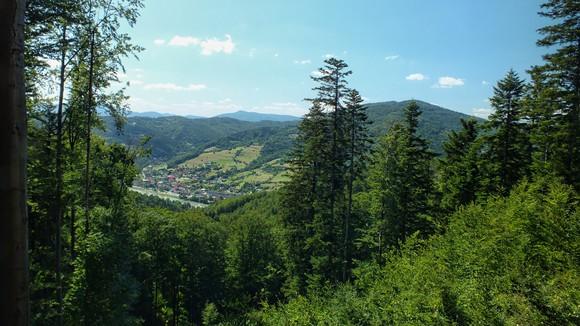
459	179
561	73
509	143
316	196
401	182
303	195
358	147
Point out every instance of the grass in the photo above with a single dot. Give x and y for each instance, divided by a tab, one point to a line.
228	159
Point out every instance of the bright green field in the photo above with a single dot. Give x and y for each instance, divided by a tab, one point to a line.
238	157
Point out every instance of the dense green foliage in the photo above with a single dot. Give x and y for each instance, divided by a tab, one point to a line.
508	261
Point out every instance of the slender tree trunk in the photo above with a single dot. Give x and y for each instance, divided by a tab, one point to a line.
14	298
89	112
349	208
59	181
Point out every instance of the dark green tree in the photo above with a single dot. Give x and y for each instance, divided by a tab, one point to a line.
509	143
459	173
401	183
303	196
358	148
559	99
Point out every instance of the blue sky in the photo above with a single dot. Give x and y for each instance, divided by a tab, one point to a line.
208	57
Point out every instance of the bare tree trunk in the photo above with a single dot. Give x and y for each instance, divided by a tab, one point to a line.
88	135
14	309
59	173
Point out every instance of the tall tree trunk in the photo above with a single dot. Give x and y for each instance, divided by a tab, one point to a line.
59	173
14	298
345	257
88	134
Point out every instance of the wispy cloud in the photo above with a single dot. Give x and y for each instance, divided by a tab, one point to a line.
211	46
159	41
302	62
484	82
416	76
449	82
328	56
174	87
208	46
391	57
481	112
183	41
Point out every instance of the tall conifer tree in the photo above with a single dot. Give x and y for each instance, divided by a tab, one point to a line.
559	78
509	143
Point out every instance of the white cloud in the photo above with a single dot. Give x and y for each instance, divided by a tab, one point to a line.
211	46
416	76
481	112
276	54
484	82
136	82
184	41
174	87
328	56
449	82
316	73
302	62
208	46
252	52
391	57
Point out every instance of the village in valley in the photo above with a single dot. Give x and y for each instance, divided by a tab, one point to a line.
212	176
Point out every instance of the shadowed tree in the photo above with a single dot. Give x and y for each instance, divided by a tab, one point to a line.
13	233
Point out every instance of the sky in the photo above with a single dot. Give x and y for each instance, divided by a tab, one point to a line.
207	57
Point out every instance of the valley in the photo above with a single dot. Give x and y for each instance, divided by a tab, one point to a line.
204	160
213	175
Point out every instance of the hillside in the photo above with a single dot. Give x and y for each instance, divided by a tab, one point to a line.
215	158
175	139
434	124
173	136
255	116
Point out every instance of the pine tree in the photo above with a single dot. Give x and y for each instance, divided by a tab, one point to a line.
358	147
401	183
559	77
331	93
316	197
459	179
303	195
509	143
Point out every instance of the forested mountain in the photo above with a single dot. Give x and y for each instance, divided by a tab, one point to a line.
255	116
435	122
175	136
175	139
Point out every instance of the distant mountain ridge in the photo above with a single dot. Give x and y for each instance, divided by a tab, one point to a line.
238	115
255	116
175	139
